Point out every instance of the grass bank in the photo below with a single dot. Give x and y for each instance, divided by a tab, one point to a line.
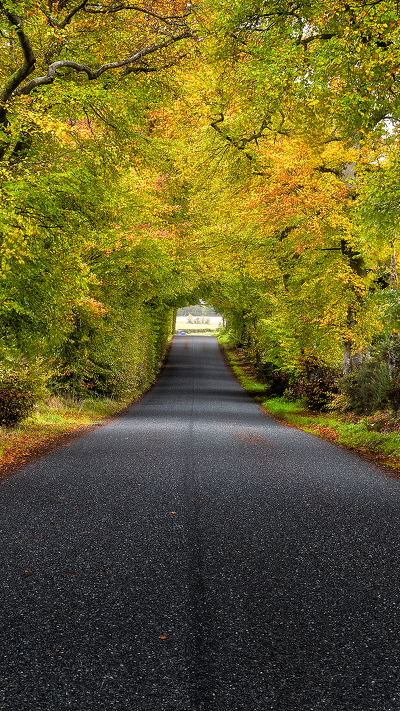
59	419
50	423
376	436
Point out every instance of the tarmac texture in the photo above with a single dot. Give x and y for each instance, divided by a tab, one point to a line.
196	555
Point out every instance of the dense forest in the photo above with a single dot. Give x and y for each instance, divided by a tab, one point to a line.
243	153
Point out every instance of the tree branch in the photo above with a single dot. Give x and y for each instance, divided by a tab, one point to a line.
324	169
240	143
25	69
95	10
312	38
96	73
67	19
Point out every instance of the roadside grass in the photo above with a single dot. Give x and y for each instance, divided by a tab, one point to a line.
377	435
52	418
360	437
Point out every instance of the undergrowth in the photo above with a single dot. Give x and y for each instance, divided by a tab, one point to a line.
377	434
55	416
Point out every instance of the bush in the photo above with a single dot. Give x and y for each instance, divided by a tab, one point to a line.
115	355
21	385
316	393
368	388
276	380
319	392
393	390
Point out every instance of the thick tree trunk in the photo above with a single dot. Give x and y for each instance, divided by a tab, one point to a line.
351	360
393	355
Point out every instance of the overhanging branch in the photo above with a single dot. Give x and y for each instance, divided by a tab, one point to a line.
28	63
93	74
67	19
240	143
304	41
96	10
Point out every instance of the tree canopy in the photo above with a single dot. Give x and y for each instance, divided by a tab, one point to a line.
155	154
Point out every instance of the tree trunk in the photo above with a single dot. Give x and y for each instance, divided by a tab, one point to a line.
393	356
351	361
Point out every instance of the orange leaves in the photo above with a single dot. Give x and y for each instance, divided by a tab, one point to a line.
302	192
92	306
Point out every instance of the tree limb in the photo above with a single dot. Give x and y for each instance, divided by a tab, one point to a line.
95	10
324	169
240	143
27	66
96	73
312	38
67	19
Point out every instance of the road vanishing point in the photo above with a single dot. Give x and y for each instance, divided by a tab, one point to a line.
196	555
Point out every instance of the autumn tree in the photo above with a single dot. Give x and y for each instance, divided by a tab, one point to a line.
47	43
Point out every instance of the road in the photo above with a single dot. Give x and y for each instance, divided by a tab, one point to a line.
195	555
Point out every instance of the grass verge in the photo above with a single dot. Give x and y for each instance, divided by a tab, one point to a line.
58	420
49	423
376	436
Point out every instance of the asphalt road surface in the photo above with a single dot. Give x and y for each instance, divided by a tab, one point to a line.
195	555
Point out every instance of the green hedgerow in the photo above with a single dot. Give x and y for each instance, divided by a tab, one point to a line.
22	383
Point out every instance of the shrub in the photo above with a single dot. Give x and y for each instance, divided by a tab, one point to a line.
340	402
115	355
316	393
368	388
393	390
21	385
276	380
279	383
319	392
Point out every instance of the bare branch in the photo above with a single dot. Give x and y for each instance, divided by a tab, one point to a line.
96	73
101	116
146	69
334	139
67	19
71	14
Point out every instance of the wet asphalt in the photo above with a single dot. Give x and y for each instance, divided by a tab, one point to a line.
195	555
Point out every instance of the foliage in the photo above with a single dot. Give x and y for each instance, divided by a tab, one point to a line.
317	394
393	390
142	169
277	380
22	383
367	389
117	357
